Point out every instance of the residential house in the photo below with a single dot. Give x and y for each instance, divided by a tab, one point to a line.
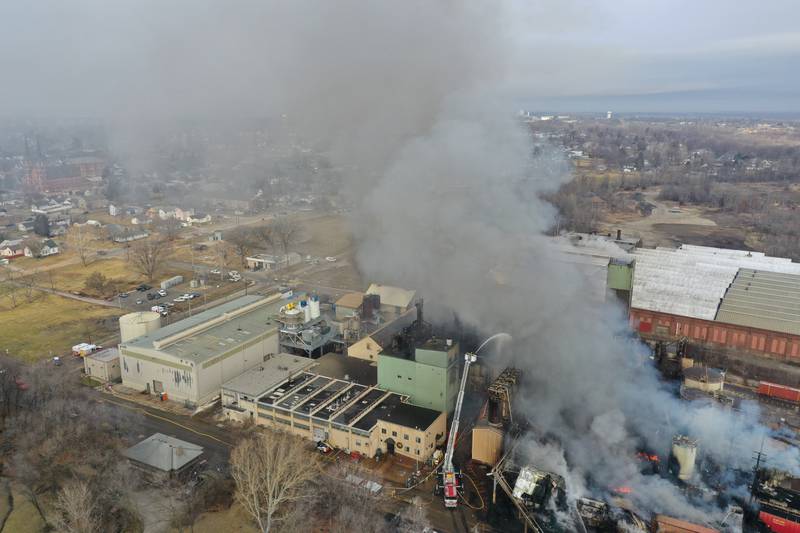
118	233
183	214
11	248
199	218
113	210
49	247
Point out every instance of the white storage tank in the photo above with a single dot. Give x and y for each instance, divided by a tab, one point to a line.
137	324
684	450
704	379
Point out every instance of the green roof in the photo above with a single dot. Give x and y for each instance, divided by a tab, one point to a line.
762	300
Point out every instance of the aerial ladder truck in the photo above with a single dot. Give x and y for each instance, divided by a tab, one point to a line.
451	480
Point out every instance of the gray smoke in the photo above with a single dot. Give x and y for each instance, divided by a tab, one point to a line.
410	98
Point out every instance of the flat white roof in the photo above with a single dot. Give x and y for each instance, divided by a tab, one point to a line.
259	379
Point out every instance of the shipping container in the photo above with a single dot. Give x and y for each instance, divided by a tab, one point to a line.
171	282
780	392
667	524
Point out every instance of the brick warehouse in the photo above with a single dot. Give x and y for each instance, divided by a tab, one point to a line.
731	301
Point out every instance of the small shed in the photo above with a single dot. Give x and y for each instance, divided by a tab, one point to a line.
161	453
103	365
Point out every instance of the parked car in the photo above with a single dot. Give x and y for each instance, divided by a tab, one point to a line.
196	295
169	304
123	295
162	292
330	259
150	296
324	447
143	287
215	271
139	301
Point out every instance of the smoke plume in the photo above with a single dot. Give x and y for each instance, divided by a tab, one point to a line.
410	99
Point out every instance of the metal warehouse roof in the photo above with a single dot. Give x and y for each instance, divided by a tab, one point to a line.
392	295
164	452
259	379
763	300
214	331
692	280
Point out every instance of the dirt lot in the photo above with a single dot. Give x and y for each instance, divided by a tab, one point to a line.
669	224
51	324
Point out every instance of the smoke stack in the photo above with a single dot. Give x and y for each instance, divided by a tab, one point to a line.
619	234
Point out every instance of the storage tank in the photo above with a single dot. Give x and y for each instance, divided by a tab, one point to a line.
313	304
704	379
135	325
684	451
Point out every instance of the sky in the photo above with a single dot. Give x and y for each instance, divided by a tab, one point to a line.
88	57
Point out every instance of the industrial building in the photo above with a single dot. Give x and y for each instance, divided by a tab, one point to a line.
370	346
333	399
735	300
426	371
393	300
103	365
189	360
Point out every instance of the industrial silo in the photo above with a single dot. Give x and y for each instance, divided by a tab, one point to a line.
137	324
684	453
704	379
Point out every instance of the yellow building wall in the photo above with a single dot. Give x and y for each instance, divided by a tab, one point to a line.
366	348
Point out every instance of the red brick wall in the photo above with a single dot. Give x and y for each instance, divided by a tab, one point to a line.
771	344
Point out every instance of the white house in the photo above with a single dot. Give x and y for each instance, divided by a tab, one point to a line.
183	214
199	218
113	210
49	247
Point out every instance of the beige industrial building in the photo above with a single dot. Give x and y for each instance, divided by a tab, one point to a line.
370	346
103	365
333	399
349	305
189	360
394	300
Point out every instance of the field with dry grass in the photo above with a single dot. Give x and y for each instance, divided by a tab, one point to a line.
50	324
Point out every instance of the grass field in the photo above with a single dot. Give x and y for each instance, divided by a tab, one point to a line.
234	520
72	278
24	517
50	323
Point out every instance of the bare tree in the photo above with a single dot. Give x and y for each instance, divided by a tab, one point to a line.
243	241
77	509
272	472
223	252
29	285
169	228
34	246
346	507
265	236
147	257
413	518
10	289
286	233
79	238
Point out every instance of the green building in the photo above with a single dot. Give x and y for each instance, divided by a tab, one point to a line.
619	277
429	375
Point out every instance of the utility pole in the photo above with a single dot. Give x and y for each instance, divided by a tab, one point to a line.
759	457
